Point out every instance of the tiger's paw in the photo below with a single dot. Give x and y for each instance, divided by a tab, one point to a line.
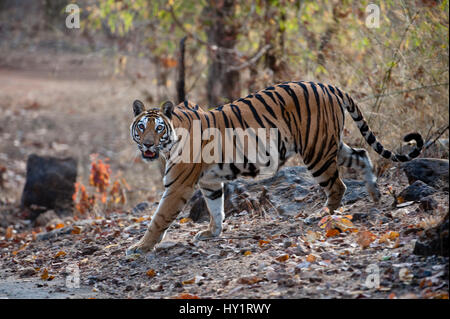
204	234
138	249
374	192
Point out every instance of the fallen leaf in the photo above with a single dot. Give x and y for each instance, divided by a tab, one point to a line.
263	242
151	273
44	275
282	258
332	232
312	236
59	225
249	280
365	238
188	282
185	220
247	253
187	296
76	230
60	253
9	232
311	258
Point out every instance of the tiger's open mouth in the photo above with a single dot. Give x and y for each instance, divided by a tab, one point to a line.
149	155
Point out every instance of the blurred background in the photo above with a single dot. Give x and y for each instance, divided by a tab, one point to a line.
68	91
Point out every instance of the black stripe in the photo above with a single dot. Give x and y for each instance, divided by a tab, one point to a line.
237	112
371	139
268	108
255	113
215	194
324	167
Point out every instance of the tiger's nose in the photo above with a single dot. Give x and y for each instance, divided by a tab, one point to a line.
148	145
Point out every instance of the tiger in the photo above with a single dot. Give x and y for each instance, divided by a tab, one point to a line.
309	119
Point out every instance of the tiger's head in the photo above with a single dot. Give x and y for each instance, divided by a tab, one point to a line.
152	129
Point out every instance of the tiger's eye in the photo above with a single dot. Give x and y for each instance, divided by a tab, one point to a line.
141	126
159	128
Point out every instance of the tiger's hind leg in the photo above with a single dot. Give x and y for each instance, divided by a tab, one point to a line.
327	175
213	194
359	159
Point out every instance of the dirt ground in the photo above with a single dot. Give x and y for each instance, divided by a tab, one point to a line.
73	105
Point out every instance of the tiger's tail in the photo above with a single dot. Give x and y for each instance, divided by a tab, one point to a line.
357	116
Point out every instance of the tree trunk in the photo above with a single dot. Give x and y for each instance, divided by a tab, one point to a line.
223	85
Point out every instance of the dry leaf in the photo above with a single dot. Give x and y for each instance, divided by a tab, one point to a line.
247	253
185	220
151	273
60	253
332	232
76	230
59	225
9	232
365	238
188	282
312	236
311	258
263	242
282	258
249	280
187	296
46	276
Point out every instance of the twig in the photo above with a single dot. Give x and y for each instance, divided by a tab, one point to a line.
250	61
215	48
387	75
429	143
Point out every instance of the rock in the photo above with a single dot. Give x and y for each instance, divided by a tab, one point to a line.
356	190
47	218
141	207
165	245
55	233
428	203
280	192
431	171
89	250
416	191
434	241
49	183
27	272
198	211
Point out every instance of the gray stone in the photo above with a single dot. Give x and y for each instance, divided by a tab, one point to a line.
50	183
416	191
431	171
279	192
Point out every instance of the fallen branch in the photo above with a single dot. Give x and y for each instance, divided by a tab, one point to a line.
429	143
250	61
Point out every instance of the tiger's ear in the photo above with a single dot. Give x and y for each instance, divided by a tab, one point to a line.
138	107
167	109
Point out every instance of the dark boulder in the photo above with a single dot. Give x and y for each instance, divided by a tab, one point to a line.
431	171
287	192
49	184
434	241
416	191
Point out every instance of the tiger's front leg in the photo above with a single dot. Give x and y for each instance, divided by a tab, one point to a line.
172	202
213	194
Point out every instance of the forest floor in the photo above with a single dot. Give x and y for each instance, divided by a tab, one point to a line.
68	112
